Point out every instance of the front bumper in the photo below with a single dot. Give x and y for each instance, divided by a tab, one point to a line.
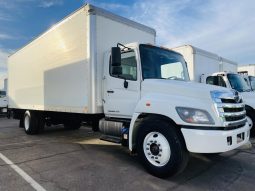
215	141
3	109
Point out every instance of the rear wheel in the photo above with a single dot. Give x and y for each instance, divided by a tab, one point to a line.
161	148
33	122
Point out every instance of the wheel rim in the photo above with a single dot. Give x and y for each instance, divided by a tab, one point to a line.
250	122
26	122
156	149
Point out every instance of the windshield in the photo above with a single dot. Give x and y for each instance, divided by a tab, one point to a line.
2	93
252	82
238	83
159	63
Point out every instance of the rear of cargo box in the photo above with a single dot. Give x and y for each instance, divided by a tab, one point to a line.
62	69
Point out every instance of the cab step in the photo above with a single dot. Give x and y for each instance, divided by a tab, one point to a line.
111	139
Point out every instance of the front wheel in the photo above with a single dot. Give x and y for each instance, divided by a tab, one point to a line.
161	148
251	121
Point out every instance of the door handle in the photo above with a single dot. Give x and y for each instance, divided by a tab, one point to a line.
110	91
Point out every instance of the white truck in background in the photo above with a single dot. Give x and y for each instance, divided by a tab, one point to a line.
136	94
209	68
3	102
3	98
248	72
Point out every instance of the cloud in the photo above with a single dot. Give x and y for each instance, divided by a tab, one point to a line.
218	26
5	36
50	3
3	59
221	27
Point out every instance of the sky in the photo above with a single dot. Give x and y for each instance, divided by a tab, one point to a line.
226	28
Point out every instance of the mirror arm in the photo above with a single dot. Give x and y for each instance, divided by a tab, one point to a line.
125	83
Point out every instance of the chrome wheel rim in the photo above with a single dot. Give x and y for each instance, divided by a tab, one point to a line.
156	149
26	122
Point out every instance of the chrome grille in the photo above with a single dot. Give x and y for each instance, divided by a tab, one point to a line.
231	109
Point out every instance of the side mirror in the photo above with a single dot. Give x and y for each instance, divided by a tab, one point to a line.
115	56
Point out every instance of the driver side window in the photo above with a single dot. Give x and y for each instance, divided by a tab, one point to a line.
216	80
128	68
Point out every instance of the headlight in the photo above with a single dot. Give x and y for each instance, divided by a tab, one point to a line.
192	115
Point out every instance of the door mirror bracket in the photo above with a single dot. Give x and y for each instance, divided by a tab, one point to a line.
125	83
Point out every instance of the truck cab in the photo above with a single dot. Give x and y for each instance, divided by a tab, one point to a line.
3	101
237	82
147	89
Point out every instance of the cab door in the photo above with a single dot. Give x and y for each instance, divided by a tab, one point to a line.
121	92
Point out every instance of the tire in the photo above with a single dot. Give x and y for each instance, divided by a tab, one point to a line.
251	121
33	122
72	125
161	161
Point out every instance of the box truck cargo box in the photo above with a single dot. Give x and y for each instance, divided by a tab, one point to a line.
201	62
250	69
61	70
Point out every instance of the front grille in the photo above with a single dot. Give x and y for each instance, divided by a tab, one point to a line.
232	111
223	100
235	118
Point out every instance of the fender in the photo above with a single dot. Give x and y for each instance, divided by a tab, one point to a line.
162	104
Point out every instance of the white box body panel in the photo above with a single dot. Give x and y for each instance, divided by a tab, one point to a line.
62	69
228	66
247	68
201	62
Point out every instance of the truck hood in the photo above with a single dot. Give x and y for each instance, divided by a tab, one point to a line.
179	88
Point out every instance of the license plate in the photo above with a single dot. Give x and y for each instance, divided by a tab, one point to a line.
240	137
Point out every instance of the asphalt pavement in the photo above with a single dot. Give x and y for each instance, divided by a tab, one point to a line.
62	159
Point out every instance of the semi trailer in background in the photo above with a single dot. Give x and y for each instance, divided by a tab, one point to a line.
86	69
209	68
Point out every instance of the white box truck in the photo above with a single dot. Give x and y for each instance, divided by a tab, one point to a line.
3	97
209	68
138	93
3	102
250	69
248	72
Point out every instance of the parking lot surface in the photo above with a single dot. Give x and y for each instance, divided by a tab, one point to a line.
60	159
